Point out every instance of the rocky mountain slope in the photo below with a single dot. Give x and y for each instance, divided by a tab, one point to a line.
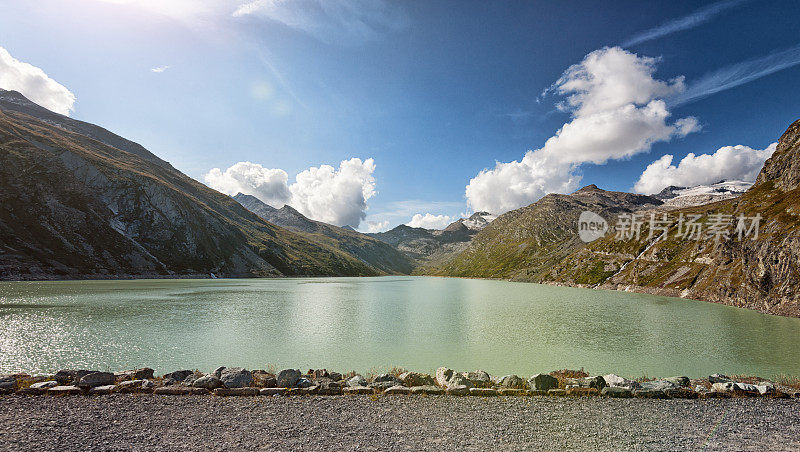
78	201
432	246
379	255
525	243
14	101
719	259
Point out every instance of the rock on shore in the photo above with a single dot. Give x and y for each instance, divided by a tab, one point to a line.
237	381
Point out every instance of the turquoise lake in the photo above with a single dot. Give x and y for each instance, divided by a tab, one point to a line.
370	324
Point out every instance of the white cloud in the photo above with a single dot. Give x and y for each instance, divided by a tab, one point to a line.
615	134
159	69
518	183
692	20
727	163
268	185
336	196
429	221
377	226
611	78
398	212
617	111
34	84
333	195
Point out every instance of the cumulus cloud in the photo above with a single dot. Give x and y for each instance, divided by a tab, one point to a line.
727	163
611	78
429	221
336	196
617	110
159	69
332	195
268	185
515	184
34	84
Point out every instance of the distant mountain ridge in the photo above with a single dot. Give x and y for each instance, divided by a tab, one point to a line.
431	246
476	222
377	254
524	243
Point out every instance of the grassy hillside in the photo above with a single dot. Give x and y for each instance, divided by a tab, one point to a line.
525	243
72	206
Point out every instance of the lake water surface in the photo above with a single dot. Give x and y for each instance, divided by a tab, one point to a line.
366	324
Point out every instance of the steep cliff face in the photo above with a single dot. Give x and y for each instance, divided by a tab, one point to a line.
771	263
382	257
784	166
72	206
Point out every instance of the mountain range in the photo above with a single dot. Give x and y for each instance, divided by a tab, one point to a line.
540	242
78	201
375	253
431	246
526	242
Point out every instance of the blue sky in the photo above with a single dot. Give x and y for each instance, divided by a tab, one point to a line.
433	92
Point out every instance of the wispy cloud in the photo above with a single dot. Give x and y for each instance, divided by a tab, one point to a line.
518	116
331	21
738	74
159	69
695	19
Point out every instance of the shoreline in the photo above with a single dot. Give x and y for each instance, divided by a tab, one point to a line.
237	381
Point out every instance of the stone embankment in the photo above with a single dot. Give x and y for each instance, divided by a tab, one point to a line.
237	381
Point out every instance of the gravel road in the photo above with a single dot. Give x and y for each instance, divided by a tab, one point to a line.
148	423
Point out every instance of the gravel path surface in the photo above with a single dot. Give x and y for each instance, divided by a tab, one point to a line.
148	422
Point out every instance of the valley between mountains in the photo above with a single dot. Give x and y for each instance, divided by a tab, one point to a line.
80	202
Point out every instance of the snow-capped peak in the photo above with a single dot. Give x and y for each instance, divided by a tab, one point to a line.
479	220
